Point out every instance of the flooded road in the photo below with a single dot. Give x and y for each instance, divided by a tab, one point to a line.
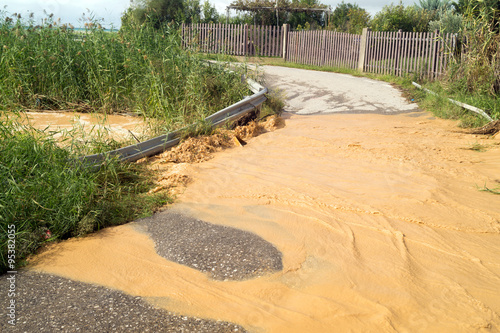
379	219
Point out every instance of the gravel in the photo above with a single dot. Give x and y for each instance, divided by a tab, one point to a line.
47	303
224	253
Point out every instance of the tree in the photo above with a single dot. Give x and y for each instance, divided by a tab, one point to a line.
446	21
463	6
349	18
153	11
435	5
314	19
294	12
449	22
192	11
209	13
395	17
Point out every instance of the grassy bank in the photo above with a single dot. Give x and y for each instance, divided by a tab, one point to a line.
46	194
138	69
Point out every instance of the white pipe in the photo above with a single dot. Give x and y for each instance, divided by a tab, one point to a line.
465	106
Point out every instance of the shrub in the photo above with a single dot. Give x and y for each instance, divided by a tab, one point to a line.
406	18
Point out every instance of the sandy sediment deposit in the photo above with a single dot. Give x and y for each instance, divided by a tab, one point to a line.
379	219
117	126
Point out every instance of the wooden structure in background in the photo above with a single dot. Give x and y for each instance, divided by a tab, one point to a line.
396	53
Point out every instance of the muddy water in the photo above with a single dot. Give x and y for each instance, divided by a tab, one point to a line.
379	220
118	126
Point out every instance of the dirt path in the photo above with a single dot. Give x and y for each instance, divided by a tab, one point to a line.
377	220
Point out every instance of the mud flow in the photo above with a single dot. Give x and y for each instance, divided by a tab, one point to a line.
119	127
380	221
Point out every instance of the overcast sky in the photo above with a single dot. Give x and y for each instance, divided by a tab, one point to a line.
70	11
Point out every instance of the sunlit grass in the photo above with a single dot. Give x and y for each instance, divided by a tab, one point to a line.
138	69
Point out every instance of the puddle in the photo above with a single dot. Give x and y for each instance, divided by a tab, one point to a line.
378	219
118	126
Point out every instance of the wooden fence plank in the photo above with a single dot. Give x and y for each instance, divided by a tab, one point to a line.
418	52
373	44
406	52
430	44
343	50
275	41
348	50
352	52
369	47
380	53
264	42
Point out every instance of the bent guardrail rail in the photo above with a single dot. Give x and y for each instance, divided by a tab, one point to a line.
161	143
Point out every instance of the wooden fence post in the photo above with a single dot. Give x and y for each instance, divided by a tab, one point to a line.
362	50
285	40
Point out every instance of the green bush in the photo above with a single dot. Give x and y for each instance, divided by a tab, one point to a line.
475	70
406	18
449	22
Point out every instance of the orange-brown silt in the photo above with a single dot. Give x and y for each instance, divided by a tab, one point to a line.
116	125
380	220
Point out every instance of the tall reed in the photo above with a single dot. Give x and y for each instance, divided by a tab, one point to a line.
476	69
138	69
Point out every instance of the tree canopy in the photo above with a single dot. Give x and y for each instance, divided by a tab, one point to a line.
348	17
294	12
436	5
406	18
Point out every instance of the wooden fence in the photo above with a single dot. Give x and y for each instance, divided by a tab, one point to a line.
402	53
323	48
234	39
396	53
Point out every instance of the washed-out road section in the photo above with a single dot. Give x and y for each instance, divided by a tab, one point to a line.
370	217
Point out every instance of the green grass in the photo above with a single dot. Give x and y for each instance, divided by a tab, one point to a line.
491	190
138	69
477	147
441	107
46	193
46	189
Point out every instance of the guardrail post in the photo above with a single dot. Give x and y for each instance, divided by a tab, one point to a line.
362	50
285	40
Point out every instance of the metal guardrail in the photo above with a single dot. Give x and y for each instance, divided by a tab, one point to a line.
161	143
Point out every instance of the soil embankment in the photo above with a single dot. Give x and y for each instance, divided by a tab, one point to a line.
379	221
